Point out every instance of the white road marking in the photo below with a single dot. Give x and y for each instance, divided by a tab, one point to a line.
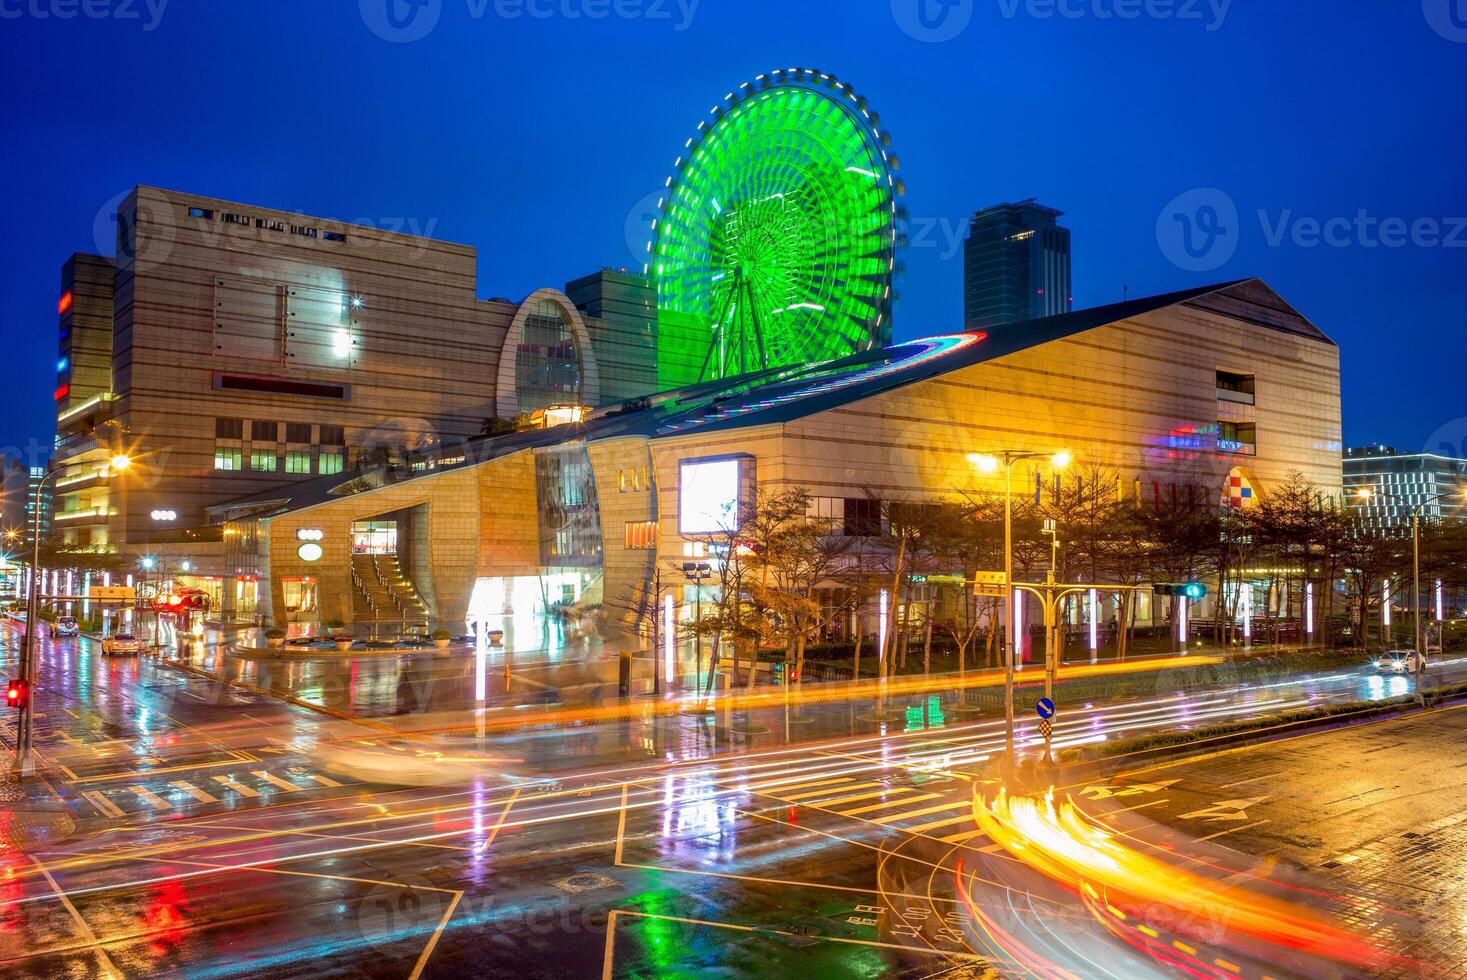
1224	810
231	783
96	799
891	817
152	799
194	791
323	780
1220	833
276	781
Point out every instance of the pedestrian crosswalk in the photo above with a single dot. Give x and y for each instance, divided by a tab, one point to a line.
938	807
255	786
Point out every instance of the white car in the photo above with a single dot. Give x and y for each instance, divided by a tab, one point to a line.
122	645
1398	662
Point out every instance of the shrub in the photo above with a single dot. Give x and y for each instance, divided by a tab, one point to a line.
333	624
275	633
442	635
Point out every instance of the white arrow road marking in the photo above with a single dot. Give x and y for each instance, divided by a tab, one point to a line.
1224	810
194	791
1106	792
238	787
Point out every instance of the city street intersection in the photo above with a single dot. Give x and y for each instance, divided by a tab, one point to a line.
203	828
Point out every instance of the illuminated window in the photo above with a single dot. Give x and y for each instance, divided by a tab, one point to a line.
298	461
330	462
641	535
263	460
228	459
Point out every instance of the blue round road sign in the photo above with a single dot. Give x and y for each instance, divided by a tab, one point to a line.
1044	707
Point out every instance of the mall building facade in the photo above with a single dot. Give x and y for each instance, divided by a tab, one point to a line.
234	350
1226	387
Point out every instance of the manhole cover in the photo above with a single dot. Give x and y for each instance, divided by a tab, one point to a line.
585	883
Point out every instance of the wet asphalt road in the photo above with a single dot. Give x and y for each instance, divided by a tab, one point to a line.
189	828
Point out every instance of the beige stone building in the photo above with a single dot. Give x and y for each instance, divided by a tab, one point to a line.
1226	387
235	350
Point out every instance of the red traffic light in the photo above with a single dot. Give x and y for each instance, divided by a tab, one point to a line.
15	693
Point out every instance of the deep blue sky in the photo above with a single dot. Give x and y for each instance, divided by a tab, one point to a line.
535	138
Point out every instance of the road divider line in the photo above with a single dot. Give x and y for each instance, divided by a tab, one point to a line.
827	791
86	930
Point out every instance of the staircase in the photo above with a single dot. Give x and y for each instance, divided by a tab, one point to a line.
382	593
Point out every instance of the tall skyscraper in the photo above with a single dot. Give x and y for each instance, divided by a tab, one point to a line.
1016	265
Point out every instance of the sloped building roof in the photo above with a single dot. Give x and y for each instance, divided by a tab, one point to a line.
780	395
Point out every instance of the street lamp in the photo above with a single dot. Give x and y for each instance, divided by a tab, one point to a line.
117	464
1367	493
989	463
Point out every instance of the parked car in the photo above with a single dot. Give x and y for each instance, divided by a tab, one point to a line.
65	626
122	645
1398	662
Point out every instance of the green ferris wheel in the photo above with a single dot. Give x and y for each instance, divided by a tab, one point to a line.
776	240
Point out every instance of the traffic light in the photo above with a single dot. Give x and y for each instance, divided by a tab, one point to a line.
17	693
1186	590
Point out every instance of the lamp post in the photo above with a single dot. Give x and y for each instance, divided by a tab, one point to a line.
1418	668
989	463
23	764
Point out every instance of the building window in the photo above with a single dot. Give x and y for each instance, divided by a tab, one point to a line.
333	435
641	535
229	428
298	461
862	517
1233	387
333	236
1237	437
201	213
263	460
264	431
297	432
228	459
330	463
547	362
